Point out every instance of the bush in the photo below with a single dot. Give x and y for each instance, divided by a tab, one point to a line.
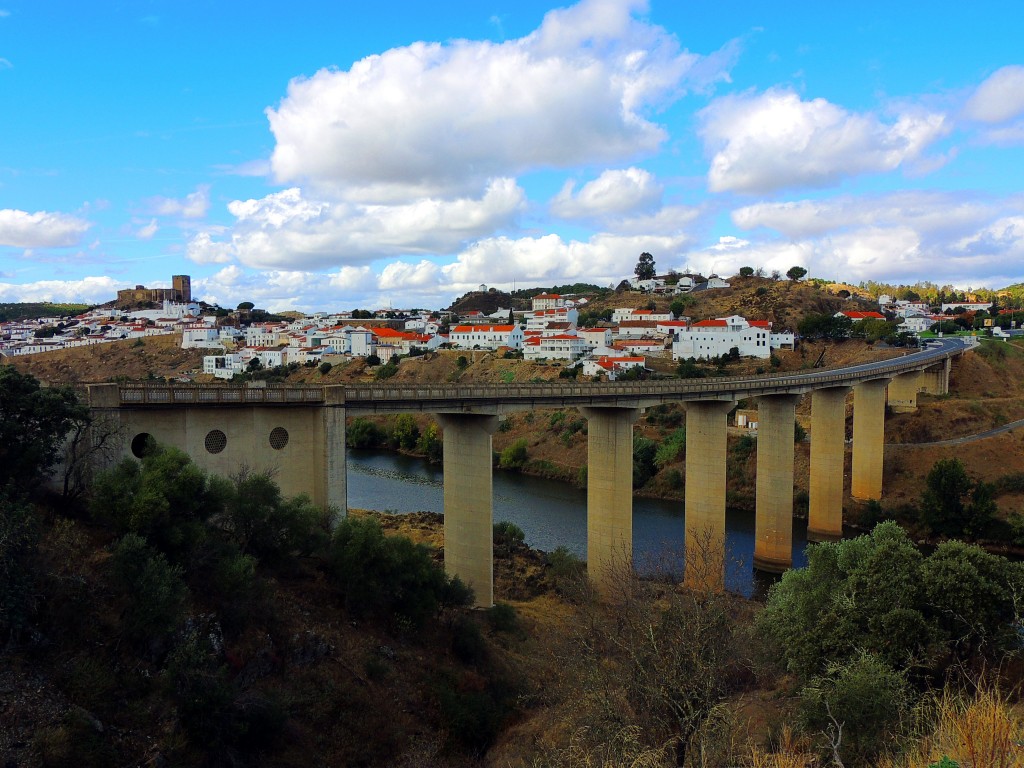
404	433
430	444
644	451
363	433
19	538
953	504
514	456
503	618
155	590
508	535
866	696
672	448
325	368
388	576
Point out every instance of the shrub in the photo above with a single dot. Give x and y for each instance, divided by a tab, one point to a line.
644	451
953	504
508	535
564	564
514	456
503	618
363	433
430	444
19	538
388	576
325	368
155	590
672	448
404	433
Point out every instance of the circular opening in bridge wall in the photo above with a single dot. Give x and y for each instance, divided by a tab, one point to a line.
278	438
216	441
142	444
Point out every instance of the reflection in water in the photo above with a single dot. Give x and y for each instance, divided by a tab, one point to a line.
553	514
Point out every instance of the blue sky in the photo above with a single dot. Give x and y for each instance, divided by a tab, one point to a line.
327	155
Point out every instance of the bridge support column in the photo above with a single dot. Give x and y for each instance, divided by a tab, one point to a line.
828	452
334	470
469	501
773	524
901	394
935	380
706	445
868	439
609	492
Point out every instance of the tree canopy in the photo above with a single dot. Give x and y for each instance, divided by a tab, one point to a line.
796	273
34	421
645	267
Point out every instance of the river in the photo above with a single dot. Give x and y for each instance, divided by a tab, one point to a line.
553	513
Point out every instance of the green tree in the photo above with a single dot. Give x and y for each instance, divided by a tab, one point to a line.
33	424
644	269
953	504
796	273
19	537
404	432
644	468
363	433
746	271
164	498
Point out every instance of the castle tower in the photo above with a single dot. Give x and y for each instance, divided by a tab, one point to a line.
182	285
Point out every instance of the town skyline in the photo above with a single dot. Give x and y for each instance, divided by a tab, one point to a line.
400	155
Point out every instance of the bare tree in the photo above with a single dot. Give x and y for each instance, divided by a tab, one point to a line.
92	444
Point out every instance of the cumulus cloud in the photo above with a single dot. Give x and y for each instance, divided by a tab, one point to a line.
435	119
192	206
42	229
288	230
89	290
908	236
604	258
772	140
614	192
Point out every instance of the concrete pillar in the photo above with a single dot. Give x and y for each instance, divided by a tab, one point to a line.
706	447
901	393
828	452
334	469
868	439
609	492
773	524
469	501
935	379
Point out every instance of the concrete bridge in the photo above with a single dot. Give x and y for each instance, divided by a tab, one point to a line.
300	433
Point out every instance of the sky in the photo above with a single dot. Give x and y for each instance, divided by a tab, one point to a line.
321	156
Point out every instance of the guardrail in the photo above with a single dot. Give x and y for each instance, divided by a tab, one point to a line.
365	394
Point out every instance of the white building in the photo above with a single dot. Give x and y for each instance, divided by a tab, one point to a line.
223	366
714	338
610	365
486	336
562	346
547	301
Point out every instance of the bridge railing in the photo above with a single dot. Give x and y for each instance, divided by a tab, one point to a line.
199	394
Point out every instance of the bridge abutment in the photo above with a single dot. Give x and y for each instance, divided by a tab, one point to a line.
868	439
773	524
609	492
469	501
828	454
706	448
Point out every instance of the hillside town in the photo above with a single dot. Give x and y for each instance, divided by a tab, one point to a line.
550	331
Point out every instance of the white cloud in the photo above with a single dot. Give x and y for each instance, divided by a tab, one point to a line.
434	119
614	192
287	230
768	141
89	290
192	206
146	232
999	98
604	258
41	229
400	276
941	237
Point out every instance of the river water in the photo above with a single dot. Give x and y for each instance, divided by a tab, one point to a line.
553	513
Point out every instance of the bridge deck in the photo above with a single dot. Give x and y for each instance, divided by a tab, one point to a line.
428	397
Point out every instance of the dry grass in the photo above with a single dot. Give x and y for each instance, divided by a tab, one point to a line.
979	731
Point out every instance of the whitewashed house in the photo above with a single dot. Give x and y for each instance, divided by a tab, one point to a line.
712	338
486	336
